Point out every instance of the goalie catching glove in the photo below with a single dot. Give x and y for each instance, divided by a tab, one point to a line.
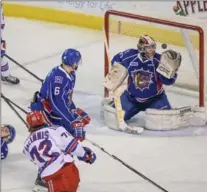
169	63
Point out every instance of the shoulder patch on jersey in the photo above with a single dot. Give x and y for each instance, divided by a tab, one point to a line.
142	78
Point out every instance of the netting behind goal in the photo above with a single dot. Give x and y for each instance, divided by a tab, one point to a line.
181	34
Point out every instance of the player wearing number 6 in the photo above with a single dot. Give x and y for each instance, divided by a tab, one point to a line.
54	99
52	150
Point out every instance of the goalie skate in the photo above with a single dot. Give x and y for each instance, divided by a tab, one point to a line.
131	129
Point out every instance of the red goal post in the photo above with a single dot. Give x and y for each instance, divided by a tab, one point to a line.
182	25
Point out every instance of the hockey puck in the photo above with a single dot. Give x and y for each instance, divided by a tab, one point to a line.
164	45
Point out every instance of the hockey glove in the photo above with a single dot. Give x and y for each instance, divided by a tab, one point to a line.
78	130
82	115
89	156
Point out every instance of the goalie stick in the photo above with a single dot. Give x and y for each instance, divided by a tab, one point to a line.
116	95
9	103
127	166
17	106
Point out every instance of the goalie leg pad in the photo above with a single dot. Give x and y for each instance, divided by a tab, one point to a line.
110	117
163	120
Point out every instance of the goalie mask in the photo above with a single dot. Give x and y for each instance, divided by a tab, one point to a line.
146	46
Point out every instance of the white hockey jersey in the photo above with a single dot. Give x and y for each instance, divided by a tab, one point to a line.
50	148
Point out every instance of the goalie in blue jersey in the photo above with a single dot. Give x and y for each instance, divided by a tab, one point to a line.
54	99
147	72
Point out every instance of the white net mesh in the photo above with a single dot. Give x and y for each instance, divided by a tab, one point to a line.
124	33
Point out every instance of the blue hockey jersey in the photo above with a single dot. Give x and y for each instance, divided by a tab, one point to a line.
56	94
4	149
143	80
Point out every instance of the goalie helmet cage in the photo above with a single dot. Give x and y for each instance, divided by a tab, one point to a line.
123	16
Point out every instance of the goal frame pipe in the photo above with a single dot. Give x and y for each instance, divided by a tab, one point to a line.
163	22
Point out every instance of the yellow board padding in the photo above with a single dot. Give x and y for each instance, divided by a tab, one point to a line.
52	15
162	35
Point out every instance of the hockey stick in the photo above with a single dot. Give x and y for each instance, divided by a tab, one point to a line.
17	106
21	66
116	95
118	107
128	166
12	107
10	102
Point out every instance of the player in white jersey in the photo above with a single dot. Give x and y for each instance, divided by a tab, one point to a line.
5	71
52	150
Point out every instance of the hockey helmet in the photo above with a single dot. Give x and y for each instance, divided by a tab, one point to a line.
146	42
12	133
35	119
71	57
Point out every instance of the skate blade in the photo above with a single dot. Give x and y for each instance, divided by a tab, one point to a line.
38	188
134	130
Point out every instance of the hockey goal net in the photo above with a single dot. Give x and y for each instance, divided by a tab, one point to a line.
179	33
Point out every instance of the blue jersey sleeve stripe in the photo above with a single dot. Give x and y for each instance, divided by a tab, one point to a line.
71	146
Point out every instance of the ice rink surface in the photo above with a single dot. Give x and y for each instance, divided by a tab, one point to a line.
175	160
